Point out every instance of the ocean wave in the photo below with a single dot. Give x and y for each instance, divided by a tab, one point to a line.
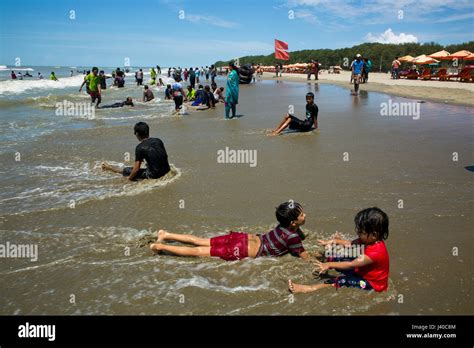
12	87
78	184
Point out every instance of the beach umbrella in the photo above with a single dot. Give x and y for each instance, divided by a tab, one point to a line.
405	59
469	57
443	55
423	59
460	54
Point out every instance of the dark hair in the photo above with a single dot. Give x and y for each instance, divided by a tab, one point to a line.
372	221
146	87
95	69
287	212
201	86
141	130
207	88
168	86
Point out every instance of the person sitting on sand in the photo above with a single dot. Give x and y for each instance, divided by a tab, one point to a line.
219	94
295	123
199	96
370	270
191	93
151	150
168	92
127	102
209	99
147	94
285	238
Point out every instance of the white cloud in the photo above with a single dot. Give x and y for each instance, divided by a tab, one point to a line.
211	20
389	37
307	16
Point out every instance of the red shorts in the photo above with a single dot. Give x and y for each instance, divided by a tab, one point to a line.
232	246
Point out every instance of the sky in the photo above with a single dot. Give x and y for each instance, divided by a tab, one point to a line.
183	33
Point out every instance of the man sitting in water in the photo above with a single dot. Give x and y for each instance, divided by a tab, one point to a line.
295	123
152	150
127	102
147	94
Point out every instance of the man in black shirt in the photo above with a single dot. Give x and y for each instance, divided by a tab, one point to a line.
151	150
295	123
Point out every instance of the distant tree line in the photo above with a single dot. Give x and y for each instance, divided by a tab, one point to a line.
381	55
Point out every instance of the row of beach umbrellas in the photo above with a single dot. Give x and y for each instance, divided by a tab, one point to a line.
437	56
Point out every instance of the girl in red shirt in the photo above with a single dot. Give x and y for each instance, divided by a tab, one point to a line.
369	270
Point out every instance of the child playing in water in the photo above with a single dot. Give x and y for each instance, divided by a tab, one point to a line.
151	150
370	270
295	123
285	238
168	92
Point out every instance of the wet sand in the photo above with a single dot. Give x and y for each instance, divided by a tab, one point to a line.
83	250
449	92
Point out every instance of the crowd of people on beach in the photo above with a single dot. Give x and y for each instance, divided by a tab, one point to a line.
368	271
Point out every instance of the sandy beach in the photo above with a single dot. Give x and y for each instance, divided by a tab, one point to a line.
449	92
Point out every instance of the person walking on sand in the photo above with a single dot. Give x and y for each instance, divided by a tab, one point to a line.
395	65
357	67
232	92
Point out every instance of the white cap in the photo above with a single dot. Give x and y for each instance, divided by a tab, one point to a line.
358	55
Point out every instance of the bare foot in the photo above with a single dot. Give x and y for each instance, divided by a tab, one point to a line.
156	247
298	288
106	166
161	236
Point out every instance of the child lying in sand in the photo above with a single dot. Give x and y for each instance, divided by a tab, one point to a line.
369	271
285	238
295	123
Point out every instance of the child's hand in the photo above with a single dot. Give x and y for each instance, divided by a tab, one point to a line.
325	242
321	267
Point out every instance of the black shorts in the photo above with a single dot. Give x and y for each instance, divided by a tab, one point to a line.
178	101
297	124
350	280
142	173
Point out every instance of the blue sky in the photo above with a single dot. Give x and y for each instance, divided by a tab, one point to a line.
184	33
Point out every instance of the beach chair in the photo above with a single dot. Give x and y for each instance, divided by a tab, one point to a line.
412	75
441	74
464	73
426	74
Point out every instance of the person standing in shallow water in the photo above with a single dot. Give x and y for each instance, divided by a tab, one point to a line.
232	92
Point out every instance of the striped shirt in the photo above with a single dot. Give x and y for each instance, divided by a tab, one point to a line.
280	241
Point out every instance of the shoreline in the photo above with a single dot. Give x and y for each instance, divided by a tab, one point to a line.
460	94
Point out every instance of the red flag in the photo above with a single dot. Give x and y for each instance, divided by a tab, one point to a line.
281	45
280	50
